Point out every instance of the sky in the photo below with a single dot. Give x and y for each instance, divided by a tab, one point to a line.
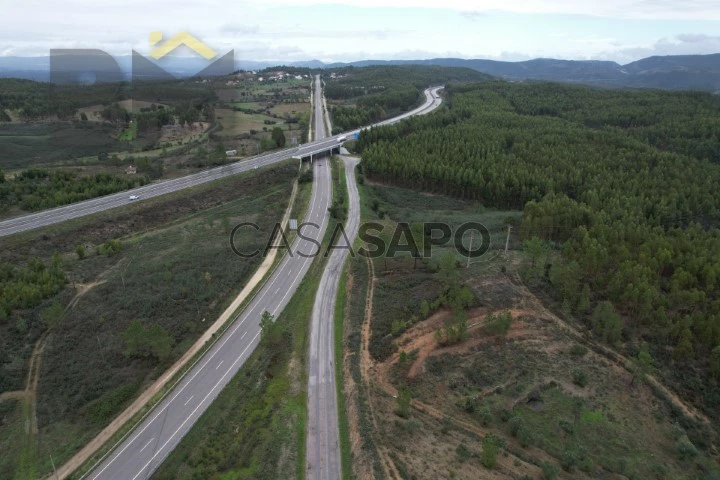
349	30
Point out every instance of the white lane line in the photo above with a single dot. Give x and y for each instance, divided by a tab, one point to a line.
221	362
222	379
219	347
146	445
243	335
188	400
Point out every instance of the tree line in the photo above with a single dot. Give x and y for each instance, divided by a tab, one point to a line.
624	184
38	189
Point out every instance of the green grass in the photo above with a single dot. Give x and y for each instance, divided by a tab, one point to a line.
129	134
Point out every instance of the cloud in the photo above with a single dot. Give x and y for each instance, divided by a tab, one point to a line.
683	44
655	9
473	15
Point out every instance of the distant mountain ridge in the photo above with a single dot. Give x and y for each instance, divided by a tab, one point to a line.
701	72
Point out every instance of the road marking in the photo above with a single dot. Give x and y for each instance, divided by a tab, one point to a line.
146	445
188	400
221	362
159	189
159	451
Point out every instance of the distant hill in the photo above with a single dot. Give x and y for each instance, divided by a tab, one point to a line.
670	72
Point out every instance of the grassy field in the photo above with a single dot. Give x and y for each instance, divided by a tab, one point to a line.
555	404
236	123
174	269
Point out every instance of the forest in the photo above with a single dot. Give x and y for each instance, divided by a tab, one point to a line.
380	92
38	189
624	187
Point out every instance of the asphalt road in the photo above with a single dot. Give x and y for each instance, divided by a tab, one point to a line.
154	439
322	454
149	444
95	205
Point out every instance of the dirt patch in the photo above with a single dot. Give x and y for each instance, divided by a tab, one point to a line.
82	289
366	369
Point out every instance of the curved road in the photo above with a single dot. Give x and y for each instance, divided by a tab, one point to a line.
139	454
322	455
100	204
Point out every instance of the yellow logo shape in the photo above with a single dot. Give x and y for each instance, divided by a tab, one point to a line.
182	38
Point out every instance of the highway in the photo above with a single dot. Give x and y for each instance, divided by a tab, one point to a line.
140	453
100	204
143	451
322	454
322	458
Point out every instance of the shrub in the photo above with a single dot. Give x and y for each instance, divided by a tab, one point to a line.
402	408
499	324
578	350
412	425
470	404
579	378
463	452
490	447
110	248
549	471
306	176
685	448
398	327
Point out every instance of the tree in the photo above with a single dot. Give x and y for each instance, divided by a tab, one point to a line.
402	408
80	252
159	342
642	364
134	337
490	448
584	301
499	324
144	342
607	322
535	247
424	309
51	315
684	350
269	331
715	362
278	137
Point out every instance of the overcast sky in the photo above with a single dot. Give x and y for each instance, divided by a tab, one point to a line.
347	30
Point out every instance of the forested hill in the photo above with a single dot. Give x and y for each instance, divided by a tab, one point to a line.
378	92
625	185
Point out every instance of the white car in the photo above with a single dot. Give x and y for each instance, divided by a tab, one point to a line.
133	197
